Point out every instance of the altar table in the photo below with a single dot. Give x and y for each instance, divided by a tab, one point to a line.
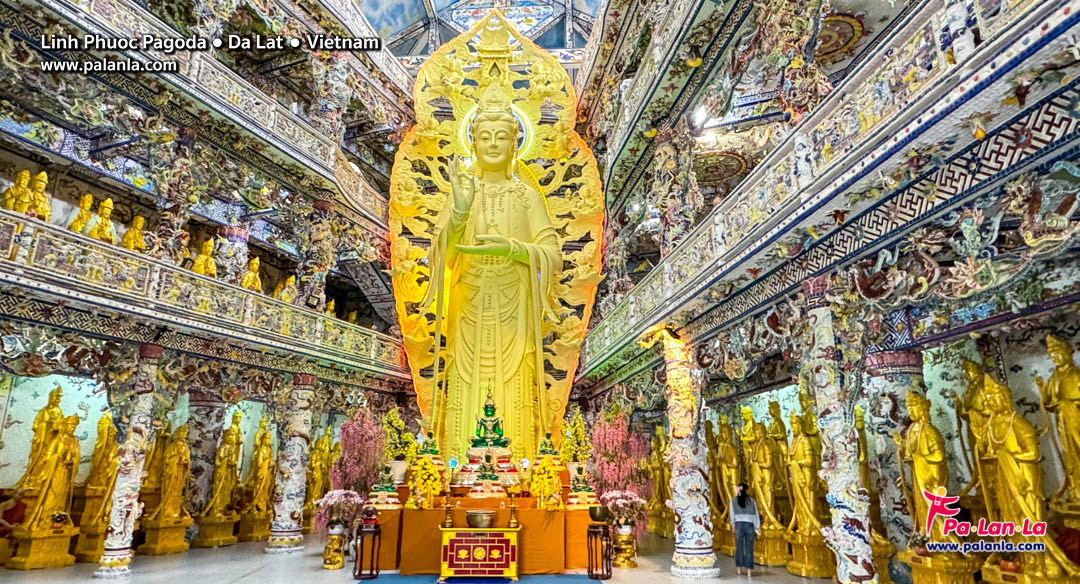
543	542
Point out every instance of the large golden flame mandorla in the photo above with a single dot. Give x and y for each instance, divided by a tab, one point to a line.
510	319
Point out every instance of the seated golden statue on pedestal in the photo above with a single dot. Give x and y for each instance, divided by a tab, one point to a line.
165	525
18	197
134	239
465	196
41	207
43	539
251	280
218	518
101	226
286	290
204	262
83	214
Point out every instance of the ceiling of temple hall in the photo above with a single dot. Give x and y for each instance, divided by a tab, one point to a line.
416	27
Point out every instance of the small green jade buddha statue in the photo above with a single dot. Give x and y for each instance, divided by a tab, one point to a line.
547	446
489	431
429	447
579	483
385	482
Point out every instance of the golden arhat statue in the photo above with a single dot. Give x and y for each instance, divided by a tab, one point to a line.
496	218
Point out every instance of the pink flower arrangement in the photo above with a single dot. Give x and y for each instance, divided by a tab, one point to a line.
617	453
338	507
361	453
627	507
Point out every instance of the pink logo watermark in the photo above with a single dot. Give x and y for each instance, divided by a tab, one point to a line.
940	502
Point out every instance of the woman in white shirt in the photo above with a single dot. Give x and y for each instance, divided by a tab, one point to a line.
746	523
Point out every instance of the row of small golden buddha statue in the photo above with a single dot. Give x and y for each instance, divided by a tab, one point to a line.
28	196
236	511
785	481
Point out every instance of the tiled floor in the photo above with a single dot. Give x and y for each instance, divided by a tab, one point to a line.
246	563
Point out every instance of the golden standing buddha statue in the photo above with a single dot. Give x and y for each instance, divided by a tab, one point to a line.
502	254
82	215
717	502
18	197
924	448
318	469
218	520
226	470
330	308
93	499
778	437
165	526
176	462
101	227
761	459
251	280
46	424
41	206
660	515
134	239
804	462
204	262
810	558
1015	443
59	464
261	478
1061	395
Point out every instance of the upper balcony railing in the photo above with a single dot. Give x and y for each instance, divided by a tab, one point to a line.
76	269
909	71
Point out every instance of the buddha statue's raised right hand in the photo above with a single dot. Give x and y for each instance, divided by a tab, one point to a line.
462	187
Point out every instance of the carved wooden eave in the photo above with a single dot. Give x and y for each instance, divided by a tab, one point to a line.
306	155
755	249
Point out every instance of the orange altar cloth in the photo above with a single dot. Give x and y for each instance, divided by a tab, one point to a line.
390	526
577	529
543	541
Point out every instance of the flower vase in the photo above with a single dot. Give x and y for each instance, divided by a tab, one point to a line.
398	468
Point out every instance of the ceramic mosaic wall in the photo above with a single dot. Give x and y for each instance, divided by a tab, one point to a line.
20	400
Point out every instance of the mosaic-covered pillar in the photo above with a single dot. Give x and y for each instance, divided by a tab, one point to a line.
206	422
889	376
316	243
849	534
290	480
687	455
116	561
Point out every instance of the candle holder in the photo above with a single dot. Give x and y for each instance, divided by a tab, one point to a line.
513	523
448	519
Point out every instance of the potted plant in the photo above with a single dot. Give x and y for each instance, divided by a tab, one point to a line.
576	446
626	506
399	446
337	510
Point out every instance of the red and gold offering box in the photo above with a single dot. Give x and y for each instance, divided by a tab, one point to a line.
479	553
